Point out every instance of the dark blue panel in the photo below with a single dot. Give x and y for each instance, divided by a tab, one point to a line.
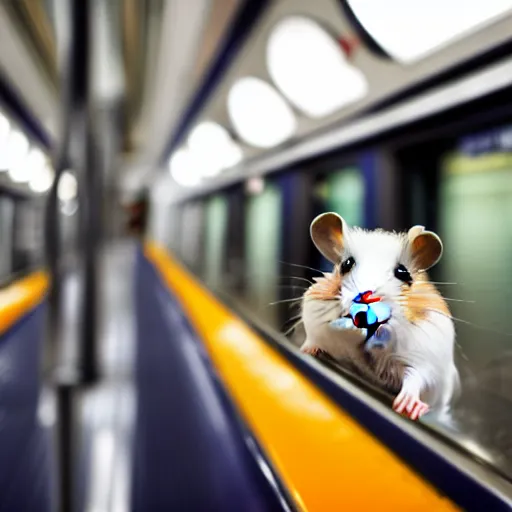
368	166
190	453
26	465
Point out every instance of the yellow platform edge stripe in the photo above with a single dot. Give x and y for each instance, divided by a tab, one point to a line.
327	461
20	297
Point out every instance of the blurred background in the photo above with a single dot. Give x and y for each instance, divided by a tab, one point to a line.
221	128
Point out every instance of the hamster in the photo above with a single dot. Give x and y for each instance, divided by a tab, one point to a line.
408	347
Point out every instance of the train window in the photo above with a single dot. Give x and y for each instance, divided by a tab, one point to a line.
171	227
345	195
262	250
215	242
34	231
233	269
191	236
409	31
342	192
309	67
476	218
28	225
259	114
6	235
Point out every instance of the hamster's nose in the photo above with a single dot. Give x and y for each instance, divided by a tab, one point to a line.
367	298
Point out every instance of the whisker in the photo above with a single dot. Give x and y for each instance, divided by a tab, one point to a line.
457	344
293	327
260	275
420	295
296	299
459	300
292	286
461	350
467	322
301	266
293	318
298	278
353	280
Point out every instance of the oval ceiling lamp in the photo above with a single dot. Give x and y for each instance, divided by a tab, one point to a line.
259	114
42	182
184	168
213	146
309	66
15	152
26	168
409	30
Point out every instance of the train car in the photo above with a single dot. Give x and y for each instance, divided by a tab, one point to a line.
161	165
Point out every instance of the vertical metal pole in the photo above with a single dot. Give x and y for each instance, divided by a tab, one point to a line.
74	151
90	208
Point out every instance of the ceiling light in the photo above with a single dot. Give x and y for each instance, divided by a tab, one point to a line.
309	67
232	155
15	151
184	168
208	136
42	181
408	31
28	167
259	114
67	187
213	146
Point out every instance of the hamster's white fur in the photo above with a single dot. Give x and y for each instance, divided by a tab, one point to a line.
423	334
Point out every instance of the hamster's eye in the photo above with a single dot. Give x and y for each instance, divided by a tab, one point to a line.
347	265
403	274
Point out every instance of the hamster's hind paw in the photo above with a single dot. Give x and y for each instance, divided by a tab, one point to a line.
410	405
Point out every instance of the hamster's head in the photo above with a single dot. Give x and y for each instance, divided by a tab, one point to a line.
372	269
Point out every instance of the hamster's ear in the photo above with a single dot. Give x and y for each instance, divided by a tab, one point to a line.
414	232
327	235
426	247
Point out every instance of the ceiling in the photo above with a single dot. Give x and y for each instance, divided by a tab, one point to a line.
167	48
386	78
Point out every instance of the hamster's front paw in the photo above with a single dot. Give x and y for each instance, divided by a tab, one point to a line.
343	323
345	326
311	350
410	405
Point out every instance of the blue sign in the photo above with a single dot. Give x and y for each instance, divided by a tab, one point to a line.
497	140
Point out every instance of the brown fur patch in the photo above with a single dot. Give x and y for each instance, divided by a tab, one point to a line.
378	368
421	298
325	288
